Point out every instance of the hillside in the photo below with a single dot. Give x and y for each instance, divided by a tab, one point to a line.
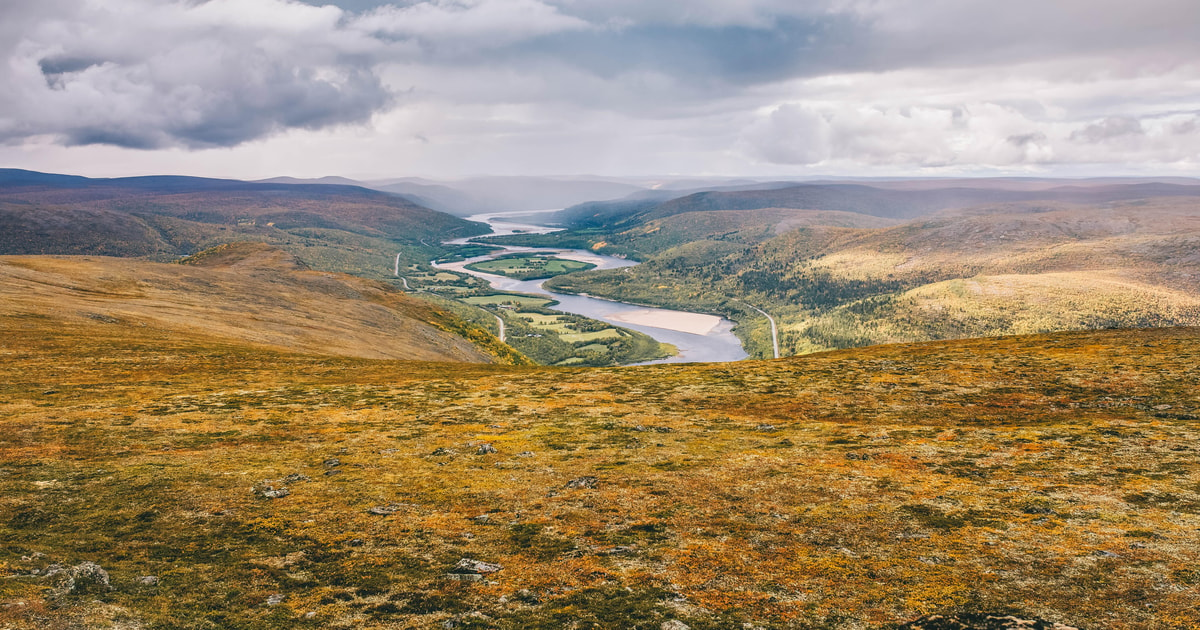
904	199
240	293
215	484
835	279
332	227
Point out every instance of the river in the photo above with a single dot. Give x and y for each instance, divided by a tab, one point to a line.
699	337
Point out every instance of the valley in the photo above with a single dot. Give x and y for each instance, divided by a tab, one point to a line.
980	409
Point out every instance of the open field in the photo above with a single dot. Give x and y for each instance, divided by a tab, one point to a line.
510	299
1053	476
530	267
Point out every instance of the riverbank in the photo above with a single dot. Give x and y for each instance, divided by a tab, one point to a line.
698	337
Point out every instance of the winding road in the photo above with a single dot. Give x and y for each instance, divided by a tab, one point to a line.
774	328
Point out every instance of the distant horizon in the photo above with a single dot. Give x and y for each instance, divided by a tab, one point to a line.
632	178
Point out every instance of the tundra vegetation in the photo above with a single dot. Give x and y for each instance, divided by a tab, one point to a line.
160	478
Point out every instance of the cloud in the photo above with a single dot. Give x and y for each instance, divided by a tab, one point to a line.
467	24
769	85
146	74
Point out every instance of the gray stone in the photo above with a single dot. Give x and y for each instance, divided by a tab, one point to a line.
485	449
674	624
766	427
85	577
332	462
580	483
469	565
385	510
442	451
148	580
981	621
271	490
275	599
464	577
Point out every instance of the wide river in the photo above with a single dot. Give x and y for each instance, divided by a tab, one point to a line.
699	337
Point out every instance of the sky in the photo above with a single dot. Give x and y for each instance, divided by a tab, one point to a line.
455	88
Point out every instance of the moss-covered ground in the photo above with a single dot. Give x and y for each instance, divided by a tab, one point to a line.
1051	475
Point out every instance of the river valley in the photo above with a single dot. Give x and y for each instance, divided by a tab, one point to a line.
698	337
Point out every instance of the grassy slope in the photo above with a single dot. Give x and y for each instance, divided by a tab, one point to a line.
245	292
335	228
1053	475
998	269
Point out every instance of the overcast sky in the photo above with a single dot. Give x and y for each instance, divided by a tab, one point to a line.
448	88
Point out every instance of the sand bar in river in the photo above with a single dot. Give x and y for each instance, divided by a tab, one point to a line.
694	323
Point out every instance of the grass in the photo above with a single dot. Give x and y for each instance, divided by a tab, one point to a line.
529	266
608	333
510	299
1051	475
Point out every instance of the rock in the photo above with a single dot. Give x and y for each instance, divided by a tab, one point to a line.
674	624
482	519
296	478
1037	509
620	550
385	510
275	599
527	596
859	456
469	565
1105	554
654	429
332	472
486	449
464	577
766	427
148	580
85	577
271	490
525	454
356	542
981	621
442	451
332	462
580	483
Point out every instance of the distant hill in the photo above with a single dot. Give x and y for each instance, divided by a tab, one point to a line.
866	265
331	226
244	292
899	200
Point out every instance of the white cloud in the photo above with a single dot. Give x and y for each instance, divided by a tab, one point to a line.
468	24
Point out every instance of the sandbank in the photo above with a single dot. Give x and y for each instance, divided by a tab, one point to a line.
694	323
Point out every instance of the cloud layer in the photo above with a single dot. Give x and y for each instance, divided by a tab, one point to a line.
616	86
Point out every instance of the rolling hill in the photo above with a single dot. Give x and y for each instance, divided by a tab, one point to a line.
334	227
241	293
1108	257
